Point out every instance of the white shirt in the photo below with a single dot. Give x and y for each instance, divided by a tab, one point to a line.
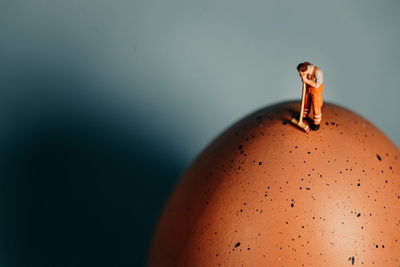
318	79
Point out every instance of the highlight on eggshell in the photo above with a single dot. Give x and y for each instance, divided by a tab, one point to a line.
264	193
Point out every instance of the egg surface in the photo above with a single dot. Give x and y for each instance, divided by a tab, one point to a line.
264	193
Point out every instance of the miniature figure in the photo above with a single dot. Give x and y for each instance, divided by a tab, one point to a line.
312	77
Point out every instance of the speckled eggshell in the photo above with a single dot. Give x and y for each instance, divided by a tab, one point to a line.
264	193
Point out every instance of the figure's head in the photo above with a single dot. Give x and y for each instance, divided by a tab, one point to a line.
303	67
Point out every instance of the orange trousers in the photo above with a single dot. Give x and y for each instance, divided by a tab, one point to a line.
313	96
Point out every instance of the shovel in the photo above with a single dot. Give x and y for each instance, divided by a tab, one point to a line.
299	123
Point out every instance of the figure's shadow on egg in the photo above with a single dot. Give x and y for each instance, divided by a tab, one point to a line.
79	190
289	114
293	113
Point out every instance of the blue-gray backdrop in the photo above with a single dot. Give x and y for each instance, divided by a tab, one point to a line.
105	103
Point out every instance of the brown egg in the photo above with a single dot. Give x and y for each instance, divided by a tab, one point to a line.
264	193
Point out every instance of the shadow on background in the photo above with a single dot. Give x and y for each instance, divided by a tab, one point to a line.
78	188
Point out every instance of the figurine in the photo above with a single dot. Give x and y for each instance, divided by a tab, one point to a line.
312	76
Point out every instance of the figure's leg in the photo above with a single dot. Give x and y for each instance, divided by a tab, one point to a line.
307	104
317	106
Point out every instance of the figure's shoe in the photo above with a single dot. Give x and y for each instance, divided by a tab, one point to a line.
314	127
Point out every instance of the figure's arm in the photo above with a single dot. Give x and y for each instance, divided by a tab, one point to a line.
318	77
309	82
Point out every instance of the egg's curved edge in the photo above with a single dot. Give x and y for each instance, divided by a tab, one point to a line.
221	139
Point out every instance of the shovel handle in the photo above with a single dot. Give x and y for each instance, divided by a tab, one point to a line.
302	103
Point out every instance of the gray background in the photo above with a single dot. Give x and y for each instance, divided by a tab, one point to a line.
105	103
